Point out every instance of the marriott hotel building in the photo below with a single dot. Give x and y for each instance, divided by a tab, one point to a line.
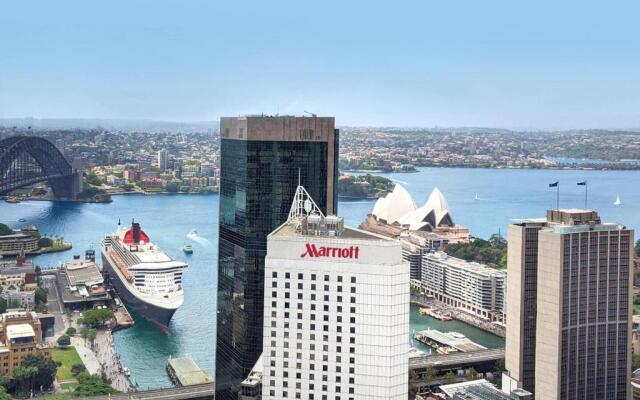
336	313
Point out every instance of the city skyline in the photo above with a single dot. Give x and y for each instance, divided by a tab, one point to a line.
543	66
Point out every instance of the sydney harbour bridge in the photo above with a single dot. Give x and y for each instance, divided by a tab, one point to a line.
26	160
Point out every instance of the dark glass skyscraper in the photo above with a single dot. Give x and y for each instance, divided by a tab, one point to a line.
262	161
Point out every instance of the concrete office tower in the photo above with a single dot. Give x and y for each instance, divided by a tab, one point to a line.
163	159
262	161
579	269
336	322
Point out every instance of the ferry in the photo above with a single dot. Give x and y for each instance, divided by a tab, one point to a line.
146	279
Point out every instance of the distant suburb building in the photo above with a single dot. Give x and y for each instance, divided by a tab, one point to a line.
420	229
569	307
20	335
336	316
470	286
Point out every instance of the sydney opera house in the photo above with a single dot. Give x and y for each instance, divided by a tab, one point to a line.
421	229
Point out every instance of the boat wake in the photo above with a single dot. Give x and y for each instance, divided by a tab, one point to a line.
193	235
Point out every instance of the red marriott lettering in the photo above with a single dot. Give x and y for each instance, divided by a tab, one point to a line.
336	252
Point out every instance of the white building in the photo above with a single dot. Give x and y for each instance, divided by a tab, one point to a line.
163	159
471	286
336	316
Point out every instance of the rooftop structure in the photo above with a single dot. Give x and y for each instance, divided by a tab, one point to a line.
451	340
480	389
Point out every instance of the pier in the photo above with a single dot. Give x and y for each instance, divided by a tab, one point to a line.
183	371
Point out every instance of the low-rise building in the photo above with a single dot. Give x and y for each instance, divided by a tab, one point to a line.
20	335
481	389
18	274
83	283
469	286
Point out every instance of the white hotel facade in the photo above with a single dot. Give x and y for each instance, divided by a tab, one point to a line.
336	317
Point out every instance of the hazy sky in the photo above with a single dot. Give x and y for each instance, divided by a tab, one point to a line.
513	64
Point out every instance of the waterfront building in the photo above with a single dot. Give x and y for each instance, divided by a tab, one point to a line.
262	160
470	286
569	307
336	311
20	335
163	159
81	283
17	243
421	229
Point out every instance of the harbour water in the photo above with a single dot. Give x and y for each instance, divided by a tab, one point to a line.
168	219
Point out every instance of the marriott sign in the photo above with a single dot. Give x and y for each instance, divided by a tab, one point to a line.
313	251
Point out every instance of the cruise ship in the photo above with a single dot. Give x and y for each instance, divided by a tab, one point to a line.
146	278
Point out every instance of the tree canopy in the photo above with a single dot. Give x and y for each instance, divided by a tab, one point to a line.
5	230
91	385
96	318
64	340
492	252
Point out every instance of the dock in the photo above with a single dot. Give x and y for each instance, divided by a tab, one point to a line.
183	371
447	342
121	314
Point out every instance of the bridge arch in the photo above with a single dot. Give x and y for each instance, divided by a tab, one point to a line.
25	160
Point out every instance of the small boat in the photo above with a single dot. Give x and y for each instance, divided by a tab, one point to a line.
12	200
476	198
126	371
617	202
193	232
187	248
22	220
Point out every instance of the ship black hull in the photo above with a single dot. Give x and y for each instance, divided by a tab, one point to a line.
156	315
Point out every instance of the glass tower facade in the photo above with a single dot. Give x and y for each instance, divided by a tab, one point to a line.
258	180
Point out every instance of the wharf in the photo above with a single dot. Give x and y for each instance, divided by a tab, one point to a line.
447	342
183	371
122	316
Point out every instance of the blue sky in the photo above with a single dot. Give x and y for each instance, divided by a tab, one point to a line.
511	64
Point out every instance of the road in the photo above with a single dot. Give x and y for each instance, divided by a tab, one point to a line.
205	391
454	359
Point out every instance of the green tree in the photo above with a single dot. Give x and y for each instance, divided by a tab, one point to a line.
3	394
92	385
88	334
431	373
5	230
77	369
3	305
92	179
637	248
45	242
450	377
172	187
472	373
64	341
71	331
46	370
40	296
24	376
96	317
635	362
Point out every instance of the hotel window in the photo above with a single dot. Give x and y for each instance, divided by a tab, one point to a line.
300	286
313	277
287	285
353	279
326	278
353	289
300	276
274	274
326	288
339	278
274	284
287	275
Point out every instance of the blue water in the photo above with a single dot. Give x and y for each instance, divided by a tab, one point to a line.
503	195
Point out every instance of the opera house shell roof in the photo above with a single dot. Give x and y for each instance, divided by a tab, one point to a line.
399	208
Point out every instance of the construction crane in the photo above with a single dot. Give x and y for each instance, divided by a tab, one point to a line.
310	113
